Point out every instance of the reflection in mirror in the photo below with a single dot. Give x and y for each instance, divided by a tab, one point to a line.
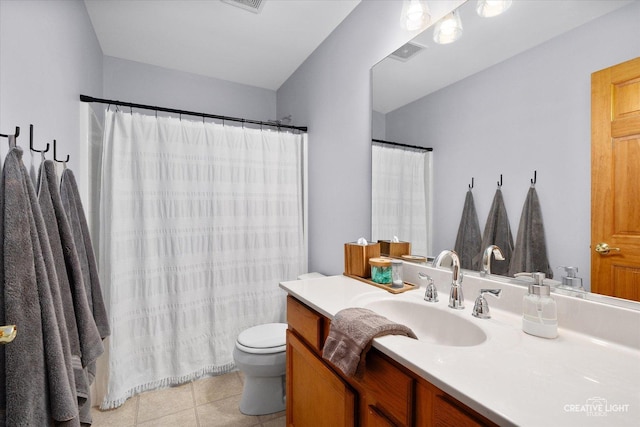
510	97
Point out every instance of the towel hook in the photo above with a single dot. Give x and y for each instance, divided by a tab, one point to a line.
31	143
55	157
12	138
471	185
535	178
500	182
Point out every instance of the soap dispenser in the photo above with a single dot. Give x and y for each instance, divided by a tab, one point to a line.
571	280
539	314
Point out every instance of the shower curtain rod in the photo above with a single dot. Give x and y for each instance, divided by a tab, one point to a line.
397	144
85	98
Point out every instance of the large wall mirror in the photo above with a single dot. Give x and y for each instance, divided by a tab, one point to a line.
510	98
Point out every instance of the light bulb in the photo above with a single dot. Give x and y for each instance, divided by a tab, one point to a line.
448	29
490	8
415	14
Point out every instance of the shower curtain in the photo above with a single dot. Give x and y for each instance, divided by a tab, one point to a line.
401	196
199	222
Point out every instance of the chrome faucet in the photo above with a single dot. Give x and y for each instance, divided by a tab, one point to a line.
456	299
486	259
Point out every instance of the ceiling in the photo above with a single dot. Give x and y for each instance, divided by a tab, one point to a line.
215	39
484	42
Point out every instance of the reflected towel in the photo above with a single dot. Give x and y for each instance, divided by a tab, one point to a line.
350	336
530	253
497	231
37	387
85	342
469	240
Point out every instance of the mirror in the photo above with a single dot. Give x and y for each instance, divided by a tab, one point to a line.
510	97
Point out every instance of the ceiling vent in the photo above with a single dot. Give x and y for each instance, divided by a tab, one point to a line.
406	52
254	6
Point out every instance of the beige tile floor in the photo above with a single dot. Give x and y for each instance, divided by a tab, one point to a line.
209	402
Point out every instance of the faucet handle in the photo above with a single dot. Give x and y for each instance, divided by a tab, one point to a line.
481	306
431	294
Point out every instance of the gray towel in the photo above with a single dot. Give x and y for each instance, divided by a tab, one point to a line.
530	253
469	239
75	213
350	336
37	389
84	338
497	231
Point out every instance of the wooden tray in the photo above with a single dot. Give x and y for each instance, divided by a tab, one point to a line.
388	288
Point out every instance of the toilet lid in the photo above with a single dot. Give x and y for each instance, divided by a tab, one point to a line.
267	338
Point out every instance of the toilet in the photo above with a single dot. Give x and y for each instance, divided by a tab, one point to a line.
260	353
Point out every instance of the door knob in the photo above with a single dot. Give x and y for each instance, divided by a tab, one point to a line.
604	249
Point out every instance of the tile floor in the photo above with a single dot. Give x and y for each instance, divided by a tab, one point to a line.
209	402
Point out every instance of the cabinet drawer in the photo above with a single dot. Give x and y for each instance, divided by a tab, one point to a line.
305	322
388	389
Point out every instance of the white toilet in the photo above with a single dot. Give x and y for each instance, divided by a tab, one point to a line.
260	353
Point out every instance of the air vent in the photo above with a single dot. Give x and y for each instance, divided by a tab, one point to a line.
254	6
406	52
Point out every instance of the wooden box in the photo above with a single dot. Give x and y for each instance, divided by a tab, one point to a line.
356	258
394	249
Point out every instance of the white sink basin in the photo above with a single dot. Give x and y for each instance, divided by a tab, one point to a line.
430	323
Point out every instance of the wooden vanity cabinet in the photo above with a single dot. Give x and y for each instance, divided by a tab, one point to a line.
387	394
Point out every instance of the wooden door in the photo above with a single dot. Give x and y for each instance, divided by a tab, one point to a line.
615	180
316	396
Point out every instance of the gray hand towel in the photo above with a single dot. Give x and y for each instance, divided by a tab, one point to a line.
469	239
37	389
497	231
350	336
84	338
530	253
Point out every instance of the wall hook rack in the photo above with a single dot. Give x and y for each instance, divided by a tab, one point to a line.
471	185
535	178
500	182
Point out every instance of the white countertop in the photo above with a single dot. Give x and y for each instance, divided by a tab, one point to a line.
511	378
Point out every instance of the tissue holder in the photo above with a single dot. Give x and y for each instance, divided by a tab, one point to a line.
356	258
394	249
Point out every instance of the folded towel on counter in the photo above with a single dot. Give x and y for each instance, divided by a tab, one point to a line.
469	239
38	388
530	253
497	231
84	338
350	336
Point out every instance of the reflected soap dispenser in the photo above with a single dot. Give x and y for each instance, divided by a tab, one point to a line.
539	311
571	280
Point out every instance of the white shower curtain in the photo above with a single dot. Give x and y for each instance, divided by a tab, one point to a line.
401	196
199	223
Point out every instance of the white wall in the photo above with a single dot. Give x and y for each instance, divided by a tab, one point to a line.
49	54
531	112
151	85
331	94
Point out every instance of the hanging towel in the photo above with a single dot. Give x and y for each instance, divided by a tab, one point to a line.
38	386
530	253
469	240
84	338
350	336
497	231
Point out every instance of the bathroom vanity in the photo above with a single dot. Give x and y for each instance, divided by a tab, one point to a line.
461	370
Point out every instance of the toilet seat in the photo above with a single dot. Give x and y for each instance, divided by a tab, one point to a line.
269	338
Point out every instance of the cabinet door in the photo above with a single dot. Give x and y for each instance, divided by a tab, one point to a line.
316	396
375	418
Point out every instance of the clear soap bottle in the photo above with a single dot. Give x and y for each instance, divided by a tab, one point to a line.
539	311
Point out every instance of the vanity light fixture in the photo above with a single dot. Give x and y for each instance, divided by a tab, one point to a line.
415	15
489	8
448	29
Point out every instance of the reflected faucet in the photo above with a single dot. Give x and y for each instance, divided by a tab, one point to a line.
456	299
486	259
